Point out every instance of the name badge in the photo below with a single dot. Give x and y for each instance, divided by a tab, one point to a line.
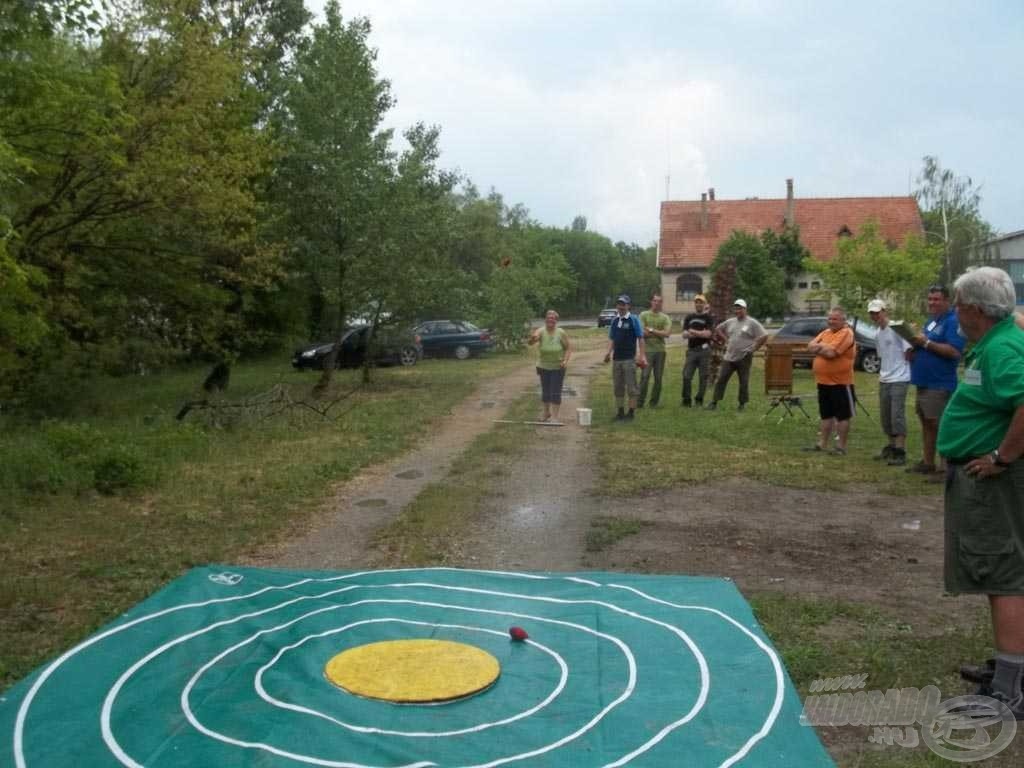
930	327
972	376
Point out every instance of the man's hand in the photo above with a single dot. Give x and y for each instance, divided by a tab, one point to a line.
608	357
919	341
983	467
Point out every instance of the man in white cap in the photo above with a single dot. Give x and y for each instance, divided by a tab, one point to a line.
893	384
744	336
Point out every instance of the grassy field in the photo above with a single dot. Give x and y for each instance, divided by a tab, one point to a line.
99	510
753	444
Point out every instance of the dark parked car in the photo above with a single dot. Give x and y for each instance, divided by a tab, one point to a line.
392	347
606	317
459	338
803	329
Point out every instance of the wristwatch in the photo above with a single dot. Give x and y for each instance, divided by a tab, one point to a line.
998	460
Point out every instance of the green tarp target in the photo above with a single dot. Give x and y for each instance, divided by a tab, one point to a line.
225	667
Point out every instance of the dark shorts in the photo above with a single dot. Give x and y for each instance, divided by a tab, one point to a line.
985	532
835	401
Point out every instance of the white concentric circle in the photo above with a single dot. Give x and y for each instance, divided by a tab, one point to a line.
262	693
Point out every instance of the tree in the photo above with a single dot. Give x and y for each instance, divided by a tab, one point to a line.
579	224
129	194
758	280
331	181
950	209
865	268
535	278
786	251
640	275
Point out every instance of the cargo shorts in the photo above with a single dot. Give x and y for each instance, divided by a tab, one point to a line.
984	547
624	378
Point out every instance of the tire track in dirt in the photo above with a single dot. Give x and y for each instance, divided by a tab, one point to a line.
341	535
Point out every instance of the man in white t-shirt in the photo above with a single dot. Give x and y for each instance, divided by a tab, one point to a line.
893	383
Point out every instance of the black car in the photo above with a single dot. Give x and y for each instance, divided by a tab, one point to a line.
606	317
803	329
462	339
391	348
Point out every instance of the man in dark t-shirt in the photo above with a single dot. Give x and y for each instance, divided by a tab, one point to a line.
626	351
698	327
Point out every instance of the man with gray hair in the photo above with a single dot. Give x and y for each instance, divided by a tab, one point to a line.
982	437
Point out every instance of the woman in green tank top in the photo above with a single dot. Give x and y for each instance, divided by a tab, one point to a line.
553	357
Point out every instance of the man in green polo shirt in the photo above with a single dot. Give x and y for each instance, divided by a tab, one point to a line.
657	327
982	437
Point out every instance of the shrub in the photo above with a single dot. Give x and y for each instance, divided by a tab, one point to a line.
120	468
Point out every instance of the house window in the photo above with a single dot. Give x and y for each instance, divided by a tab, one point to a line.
802	284
844	231
688	286
815	285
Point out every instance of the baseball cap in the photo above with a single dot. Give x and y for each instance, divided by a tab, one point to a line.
740	303
623	299
876	305
700	297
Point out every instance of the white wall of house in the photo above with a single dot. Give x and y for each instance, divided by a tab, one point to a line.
804	298
677	304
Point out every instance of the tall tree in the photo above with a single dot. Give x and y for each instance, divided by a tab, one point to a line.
333	175
758	280
950	208
866	267
785	250
130	196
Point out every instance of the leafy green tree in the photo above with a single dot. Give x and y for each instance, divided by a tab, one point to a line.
950	210
408	266
640	275
759	281
130	195
785	250
535	278
866	267
332	177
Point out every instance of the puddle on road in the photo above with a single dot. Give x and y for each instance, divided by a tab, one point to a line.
487	404
372	503
409	474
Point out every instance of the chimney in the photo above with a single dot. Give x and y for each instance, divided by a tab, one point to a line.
789	203
711	194
703	210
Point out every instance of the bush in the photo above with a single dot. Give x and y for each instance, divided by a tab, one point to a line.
119	469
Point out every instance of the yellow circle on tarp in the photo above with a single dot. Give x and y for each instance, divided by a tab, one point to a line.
410	671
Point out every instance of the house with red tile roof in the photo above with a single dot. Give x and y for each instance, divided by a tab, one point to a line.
693	230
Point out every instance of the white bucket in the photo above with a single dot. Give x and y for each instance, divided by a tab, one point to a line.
583	417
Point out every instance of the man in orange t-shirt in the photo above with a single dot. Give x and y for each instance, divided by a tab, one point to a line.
834	352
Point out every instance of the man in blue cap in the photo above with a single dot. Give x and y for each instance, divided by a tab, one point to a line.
626	351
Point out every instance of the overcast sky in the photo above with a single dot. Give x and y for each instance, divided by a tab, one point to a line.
585	106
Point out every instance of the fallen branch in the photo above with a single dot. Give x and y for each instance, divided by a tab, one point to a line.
266	405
